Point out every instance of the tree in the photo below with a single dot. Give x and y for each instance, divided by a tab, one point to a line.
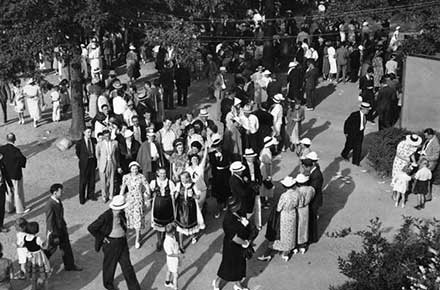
396	264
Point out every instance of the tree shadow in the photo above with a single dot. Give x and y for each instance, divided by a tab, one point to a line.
323	92
311	132
31	149
336	194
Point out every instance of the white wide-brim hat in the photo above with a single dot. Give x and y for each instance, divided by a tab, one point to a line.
118	202
288	181
414	139
237	166
301	178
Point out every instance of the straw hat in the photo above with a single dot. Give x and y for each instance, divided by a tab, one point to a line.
203	113
237	166
249	152
118	202
267	72
269	141
306	141
293	64
365	105
312	156
128	133
117	85
278	98
288	181
216	139
132	47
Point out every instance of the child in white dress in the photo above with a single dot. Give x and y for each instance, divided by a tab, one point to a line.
18	101
56	104
171	248
22	253
400	185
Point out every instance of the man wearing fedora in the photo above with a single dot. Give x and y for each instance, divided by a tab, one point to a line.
166	79
250	125
354	127
183	81
132	62
110	232
150	156
310	82
85	151
240	188
294	81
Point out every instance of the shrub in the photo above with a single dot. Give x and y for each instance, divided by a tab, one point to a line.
381	147
401	263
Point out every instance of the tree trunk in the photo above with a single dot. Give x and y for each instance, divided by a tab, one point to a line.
76	100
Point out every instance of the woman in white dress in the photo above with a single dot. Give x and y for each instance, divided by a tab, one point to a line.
332	61
34	97
196	168
18	101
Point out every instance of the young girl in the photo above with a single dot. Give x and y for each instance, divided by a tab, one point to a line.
20	228
400	185
37	264
421	185
171	247
56	106
6	271
18	101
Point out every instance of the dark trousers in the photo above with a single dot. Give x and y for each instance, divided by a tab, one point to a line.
117	252
182	95
5	110
310	97
353	143
2	204
168	96
313	225
64	245
87	181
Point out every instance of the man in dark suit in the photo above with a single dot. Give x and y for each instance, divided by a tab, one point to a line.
85	151
5	96
56	228
366	88
265	120
5	181
166	79
128	150
14	162
110	230
240	189
354	127
139	132
183	81
316	181
295	81
386	105
310	83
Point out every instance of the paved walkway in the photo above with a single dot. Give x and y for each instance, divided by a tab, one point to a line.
348	202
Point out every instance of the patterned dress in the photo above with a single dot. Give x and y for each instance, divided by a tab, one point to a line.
179	163
403	157
287	206
137	189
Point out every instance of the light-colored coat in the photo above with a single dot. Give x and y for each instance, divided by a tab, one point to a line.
107	155
432	152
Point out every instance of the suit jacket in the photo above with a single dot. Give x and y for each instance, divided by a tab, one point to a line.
144	157
432	151
316	180
352	124
294	79
240	189
82	152
386	100
166	78
55	222
125	156
5	177
102	152
273	88
182	77
143	132
311	79
13	160
103	226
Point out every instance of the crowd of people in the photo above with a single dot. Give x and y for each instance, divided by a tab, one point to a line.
152	161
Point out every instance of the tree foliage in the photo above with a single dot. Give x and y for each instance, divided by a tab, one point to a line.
401	263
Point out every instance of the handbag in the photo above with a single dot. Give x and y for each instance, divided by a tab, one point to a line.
273	225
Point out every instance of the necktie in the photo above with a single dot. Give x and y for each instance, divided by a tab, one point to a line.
89	147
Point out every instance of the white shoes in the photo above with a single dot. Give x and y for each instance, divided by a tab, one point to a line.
137	245
213	285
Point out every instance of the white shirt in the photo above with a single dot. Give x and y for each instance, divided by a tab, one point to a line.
250	123
311	54
153	151
167	138
128	114
119	105
137	133
277	113
55	96
362	127
162	184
